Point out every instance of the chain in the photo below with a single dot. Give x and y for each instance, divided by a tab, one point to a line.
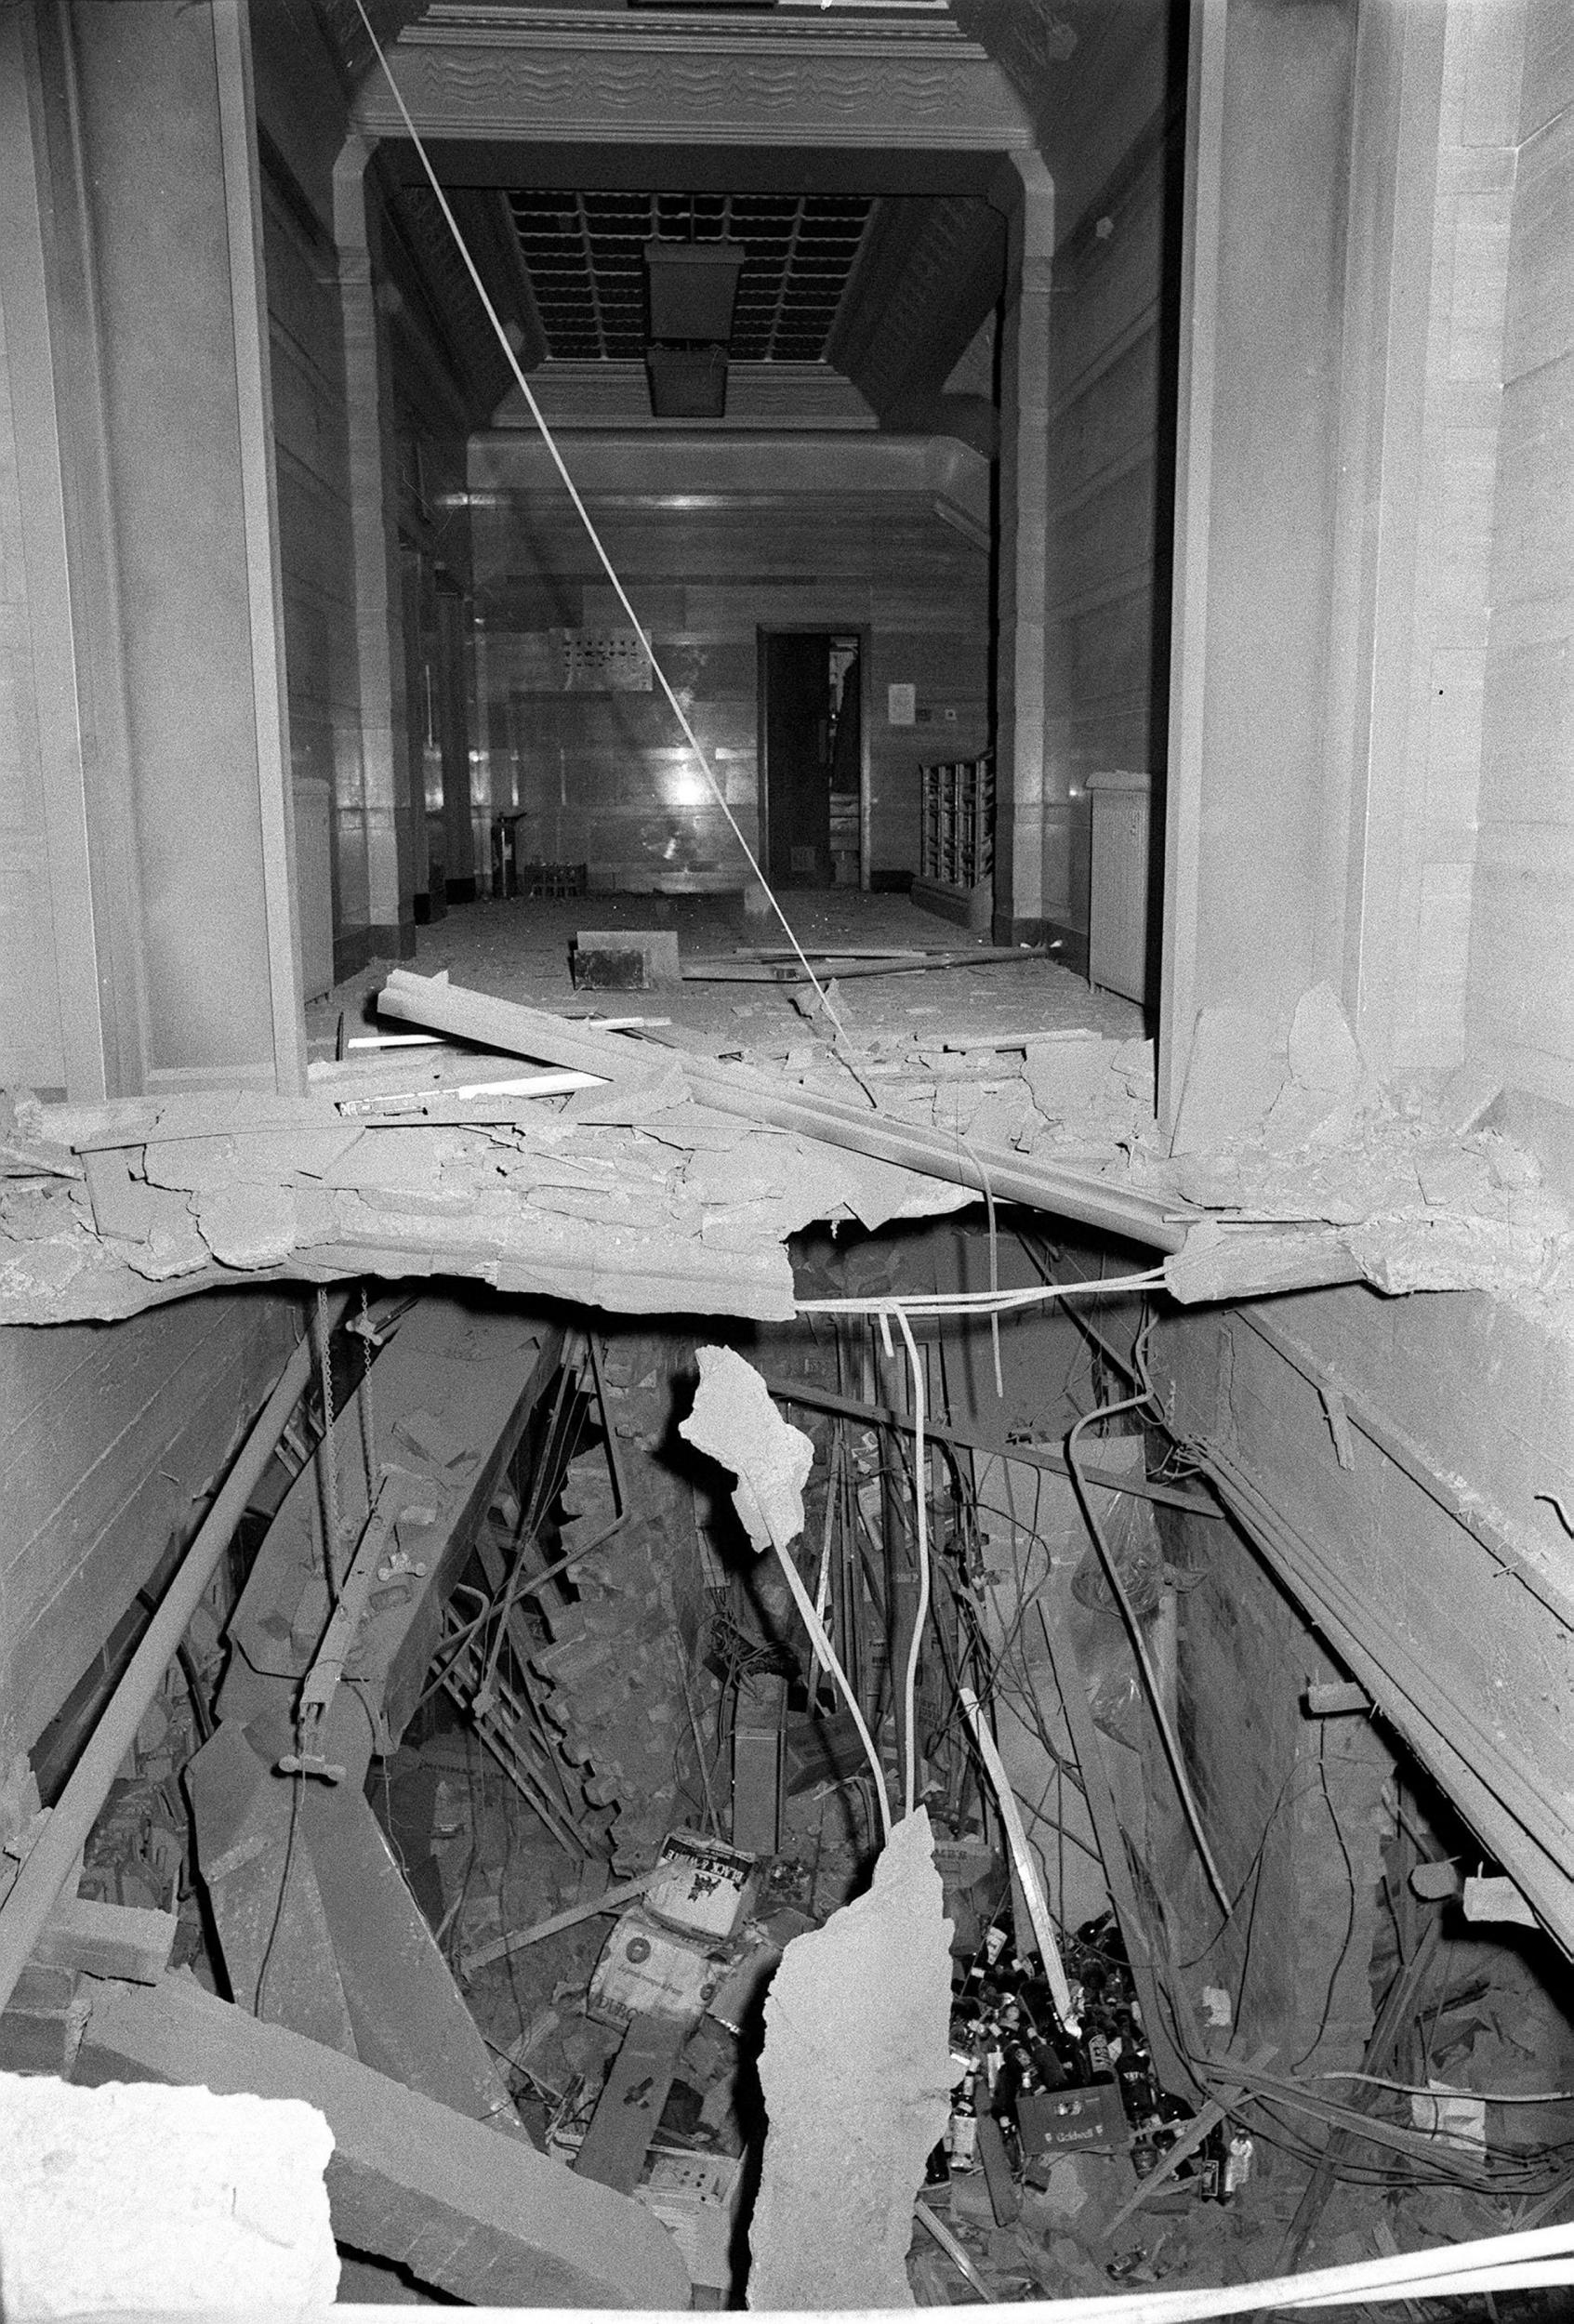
326	1459
364	1399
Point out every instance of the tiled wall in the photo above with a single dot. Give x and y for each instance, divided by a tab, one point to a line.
1435	811
1111	448
306	341
1519	1008
30	1048
604	778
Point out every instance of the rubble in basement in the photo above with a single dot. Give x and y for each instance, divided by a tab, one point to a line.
580	1778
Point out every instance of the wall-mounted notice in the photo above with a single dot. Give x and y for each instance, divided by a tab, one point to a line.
577	662
604	662
901	705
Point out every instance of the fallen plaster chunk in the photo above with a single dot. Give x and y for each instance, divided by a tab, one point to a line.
735	1423
855	2074
133	2197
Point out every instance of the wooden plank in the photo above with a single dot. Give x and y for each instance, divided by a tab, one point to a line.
485	2218
1021	1855
1399	2001
533	1033
515	1940
629	2107
1223	2103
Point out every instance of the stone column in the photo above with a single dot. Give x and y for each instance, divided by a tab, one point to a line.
374	830
1025	192
142	328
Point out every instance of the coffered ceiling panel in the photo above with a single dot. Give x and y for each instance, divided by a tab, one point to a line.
584	256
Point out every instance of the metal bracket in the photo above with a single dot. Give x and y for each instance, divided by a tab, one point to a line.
370	1563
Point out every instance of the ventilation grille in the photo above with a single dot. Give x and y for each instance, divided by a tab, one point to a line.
585	256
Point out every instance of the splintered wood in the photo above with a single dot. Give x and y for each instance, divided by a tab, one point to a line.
856	2078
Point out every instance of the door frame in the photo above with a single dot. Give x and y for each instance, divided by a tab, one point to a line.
859	629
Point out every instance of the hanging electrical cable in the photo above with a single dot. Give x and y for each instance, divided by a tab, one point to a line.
921	1506
931	1303
701	760
1144	1399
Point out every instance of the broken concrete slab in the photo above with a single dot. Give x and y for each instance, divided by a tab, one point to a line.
247	1225
40	2025
1235	1070
485	2218
134	2200
107	1940
856	2077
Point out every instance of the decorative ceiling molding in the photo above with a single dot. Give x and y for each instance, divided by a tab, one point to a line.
494	75
973	371
507	22
912	308
434	275
597	394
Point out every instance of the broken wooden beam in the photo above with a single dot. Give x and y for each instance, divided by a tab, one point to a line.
1378	2059
1159	1224
485	2218
818	1399
1182	2147
515	1940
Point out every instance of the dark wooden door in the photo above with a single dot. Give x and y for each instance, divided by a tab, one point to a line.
795	682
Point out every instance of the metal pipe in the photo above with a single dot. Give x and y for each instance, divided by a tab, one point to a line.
49	1862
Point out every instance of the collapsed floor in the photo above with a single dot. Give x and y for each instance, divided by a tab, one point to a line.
531	1835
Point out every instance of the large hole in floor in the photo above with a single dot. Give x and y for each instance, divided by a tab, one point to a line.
1217	2010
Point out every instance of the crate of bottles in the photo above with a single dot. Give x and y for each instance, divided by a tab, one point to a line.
956	821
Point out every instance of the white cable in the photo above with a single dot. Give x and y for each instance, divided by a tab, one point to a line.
1493	2264
980	1302
920	1497
537	414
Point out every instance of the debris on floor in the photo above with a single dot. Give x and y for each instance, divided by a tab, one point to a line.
671	1175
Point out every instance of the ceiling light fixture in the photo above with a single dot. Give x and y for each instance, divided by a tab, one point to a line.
691	289
687	382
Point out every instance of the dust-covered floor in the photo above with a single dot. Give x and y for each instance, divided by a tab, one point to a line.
519	950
